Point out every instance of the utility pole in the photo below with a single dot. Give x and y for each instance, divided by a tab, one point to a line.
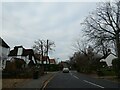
42	56
48	48
42	51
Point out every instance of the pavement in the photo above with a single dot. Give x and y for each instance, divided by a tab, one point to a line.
36	83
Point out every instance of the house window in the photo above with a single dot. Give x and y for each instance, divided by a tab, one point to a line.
33	59
20	50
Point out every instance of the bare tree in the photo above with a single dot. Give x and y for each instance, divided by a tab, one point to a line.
104	23
38	47
42	47
49	46
102	46
80	46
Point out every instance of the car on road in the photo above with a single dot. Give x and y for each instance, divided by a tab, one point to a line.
65	70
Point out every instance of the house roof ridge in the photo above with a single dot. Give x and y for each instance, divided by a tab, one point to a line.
3	43
112	54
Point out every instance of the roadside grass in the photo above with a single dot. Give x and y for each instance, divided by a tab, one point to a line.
11	83
108	73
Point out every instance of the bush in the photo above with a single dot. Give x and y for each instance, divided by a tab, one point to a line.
116	66
106	72
51	67
100	73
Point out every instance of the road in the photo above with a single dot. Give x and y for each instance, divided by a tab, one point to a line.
77	80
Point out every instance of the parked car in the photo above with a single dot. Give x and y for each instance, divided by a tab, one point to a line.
65	70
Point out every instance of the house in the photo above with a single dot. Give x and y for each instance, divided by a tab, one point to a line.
4	51
39	59
21	53
15	65
52	61
64	64
109	59
46	60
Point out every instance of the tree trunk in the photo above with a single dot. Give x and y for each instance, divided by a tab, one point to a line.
118	52
118	45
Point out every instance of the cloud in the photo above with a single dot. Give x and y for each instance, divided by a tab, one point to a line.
25	22
56	0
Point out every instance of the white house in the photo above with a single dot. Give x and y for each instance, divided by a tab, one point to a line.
21	53
109	59
4	51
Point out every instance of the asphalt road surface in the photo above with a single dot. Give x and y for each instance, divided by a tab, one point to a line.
77	80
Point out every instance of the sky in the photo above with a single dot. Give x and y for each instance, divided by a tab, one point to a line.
25	22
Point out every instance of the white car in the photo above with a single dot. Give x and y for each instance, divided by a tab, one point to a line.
65	70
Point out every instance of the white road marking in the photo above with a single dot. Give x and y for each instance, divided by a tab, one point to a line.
46	82
93	84
75	77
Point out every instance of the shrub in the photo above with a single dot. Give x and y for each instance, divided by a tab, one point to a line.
100	73
116	66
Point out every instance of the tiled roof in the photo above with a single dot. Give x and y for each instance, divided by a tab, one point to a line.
14	51
3	43
38	56
27	52
45	58
52	61
24	53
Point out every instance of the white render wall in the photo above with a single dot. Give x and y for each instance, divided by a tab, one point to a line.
109	59
33	59
3	54
4	51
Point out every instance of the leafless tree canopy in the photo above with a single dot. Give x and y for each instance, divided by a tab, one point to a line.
80	46
42	46
103	25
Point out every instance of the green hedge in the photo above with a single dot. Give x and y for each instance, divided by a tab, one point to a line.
116	66
106	72
51	67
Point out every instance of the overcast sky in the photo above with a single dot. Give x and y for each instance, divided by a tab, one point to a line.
25	22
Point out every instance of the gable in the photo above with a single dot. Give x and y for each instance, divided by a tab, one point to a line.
109	59
13	53
20	51
3	43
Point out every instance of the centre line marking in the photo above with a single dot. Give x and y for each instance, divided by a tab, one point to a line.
75	77
93	84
